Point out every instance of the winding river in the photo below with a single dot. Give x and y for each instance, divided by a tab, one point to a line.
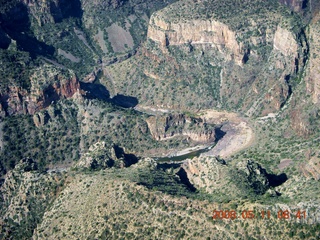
183	157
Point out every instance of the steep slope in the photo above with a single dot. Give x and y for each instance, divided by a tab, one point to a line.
312	78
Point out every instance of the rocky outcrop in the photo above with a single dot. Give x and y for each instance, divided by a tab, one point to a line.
102	155
250	177
26	165
173	125
48	85
41	118
253	171
98	156
213	174
285	42
206	173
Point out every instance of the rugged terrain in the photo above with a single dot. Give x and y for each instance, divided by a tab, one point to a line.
237	64
92	93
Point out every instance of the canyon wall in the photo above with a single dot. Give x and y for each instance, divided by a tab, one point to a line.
212	32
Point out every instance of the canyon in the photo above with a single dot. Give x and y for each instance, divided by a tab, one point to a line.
97	96
250	66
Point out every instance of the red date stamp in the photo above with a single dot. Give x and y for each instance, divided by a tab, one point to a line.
262	214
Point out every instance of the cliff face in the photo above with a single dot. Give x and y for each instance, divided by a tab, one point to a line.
166	127
286	43
48	85
304	107
219	36
196	32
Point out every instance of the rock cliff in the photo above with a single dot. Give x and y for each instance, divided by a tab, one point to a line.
101	156
304	107
207	173
194	31
48	84
195	129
